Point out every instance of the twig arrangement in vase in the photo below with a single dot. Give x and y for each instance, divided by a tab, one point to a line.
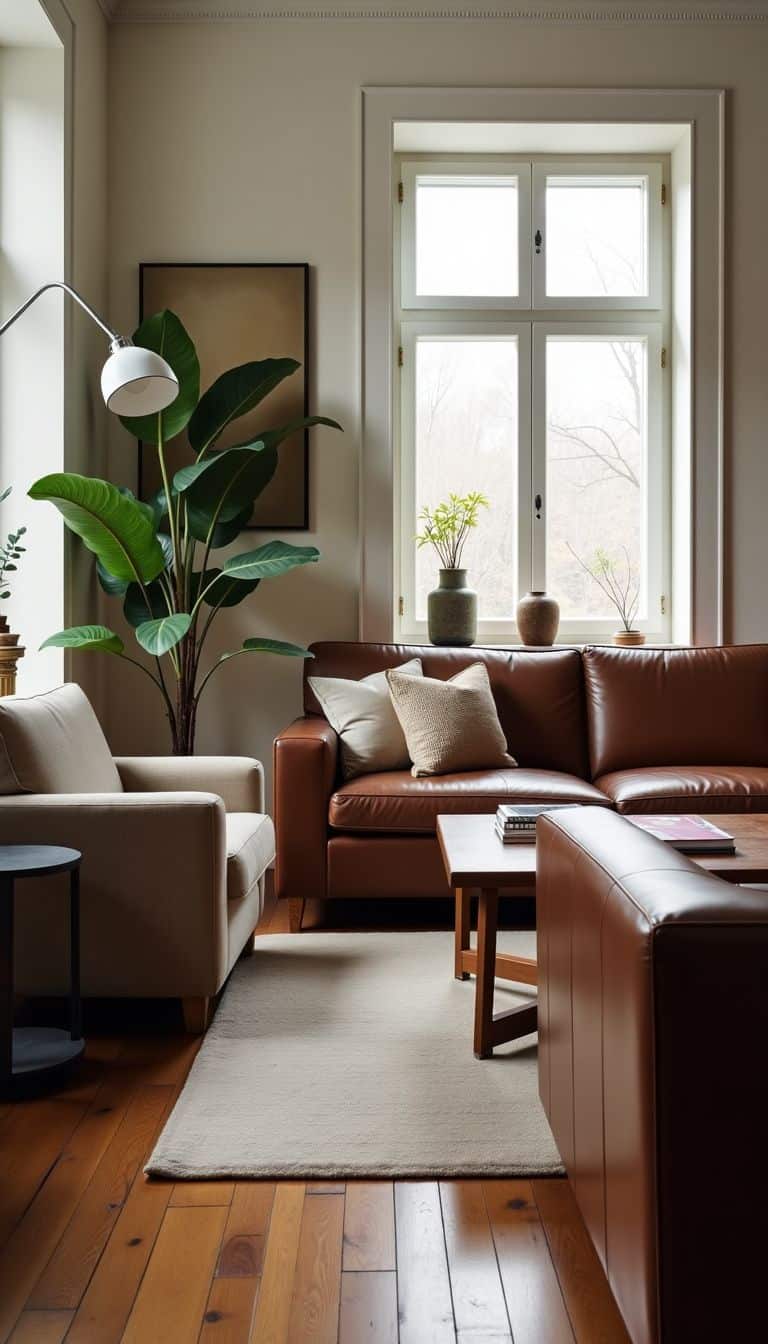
157	557
448	526
622	591
452	607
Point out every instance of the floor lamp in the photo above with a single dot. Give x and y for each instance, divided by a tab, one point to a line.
134	381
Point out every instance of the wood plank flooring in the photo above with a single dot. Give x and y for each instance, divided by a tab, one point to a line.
93	1253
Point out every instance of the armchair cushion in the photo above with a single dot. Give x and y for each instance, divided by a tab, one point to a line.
53	743
250	850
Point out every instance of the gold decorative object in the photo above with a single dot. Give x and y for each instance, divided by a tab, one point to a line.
10	653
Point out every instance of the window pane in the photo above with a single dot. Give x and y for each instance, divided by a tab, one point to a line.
596	236
596	455
467	439
466	236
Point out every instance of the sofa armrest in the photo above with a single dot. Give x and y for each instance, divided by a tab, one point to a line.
153	883
306	761
237	780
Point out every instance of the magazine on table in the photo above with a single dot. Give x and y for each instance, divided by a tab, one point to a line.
689	834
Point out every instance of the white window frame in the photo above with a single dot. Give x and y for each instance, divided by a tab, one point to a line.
656	495
412	628
594	167
580	316
412	170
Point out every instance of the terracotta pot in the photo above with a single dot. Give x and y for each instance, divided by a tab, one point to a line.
538	617
629	639
452	610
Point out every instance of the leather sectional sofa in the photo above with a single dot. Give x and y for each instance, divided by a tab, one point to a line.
653	1016
633	730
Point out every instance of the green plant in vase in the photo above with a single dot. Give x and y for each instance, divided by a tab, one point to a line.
158	558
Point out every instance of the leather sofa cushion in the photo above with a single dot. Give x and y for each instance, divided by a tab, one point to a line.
728	788
53	743
539	696
397	802
676	706
250	850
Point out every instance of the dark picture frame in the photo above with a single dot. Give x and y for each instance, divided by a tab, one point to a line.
236	312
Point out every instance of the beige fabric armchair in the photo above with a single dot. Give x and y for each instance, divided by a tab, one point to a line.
174	856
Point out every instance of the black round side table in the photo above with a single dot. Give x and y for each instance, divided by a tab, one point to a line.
31	1055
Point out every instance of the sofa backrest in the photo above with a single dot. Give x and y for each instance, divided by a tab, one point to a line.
647	707
53	743
539	695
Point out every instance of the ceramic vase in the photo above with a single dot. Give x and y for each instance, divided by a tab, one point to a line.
538	617
452	610
629	639
10	653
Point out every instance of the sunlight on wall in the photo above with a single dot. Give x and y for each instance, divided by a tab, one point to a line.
31	353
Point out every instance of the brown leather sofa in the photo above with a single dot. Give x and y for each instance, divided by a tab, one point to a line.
653	1017
654	730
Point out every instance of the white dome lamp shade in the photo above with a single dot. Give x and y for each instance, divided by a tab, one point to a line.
135	381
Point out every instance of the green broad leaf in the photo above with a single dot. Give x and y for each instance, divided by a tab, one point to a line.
159	506
86	638
259	645
224	590
223	533
157	637
116	527
6	493
275	557
109	584
274	437
227	483
166	335
166	546
135	607
232	395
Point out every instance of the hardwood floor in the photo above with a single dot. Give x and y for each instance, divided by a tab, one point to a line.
93	1253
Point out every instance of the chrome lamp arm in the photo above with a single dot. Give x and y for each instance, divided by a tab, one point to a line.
73	294
134	381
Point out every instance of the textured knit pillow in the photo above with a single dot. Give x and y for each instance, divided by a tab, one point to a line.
450	725
361	713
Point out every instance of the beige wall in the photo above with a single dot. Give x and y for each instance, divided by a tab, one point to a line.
242	141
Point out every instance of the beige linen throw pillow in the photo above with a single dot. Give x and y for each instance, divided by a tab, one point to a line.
450	725
361	713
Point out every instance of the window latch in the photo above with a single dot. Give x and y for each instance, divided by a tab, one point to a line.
537	238
537	502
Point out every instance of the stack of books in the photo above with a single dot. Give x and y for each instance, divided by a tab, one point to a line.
516	823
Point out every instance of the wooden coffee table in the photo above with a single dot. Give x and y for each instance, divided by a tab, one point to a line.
475	858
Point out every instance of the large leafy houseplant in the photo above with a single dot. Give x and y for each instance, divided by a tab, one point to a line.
158	557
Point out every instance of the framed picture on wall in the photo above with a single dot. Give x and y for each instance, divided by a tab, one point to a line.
236	313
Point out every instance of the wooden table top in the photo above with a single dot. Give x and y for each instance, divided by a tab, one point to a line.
474	856
750	862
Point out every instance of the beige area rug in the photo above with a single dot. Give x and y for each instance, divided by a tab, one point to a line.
350	1054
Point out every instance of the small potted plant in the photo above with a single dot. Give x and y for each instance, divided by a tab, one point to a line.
451	607
10	652
622	588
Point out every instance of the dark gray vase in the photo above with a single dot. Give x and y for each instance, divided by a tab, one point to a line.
452	610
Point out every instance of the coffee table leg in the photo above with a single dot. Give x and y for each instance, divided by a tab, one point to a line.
463	908
6	979
487	925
